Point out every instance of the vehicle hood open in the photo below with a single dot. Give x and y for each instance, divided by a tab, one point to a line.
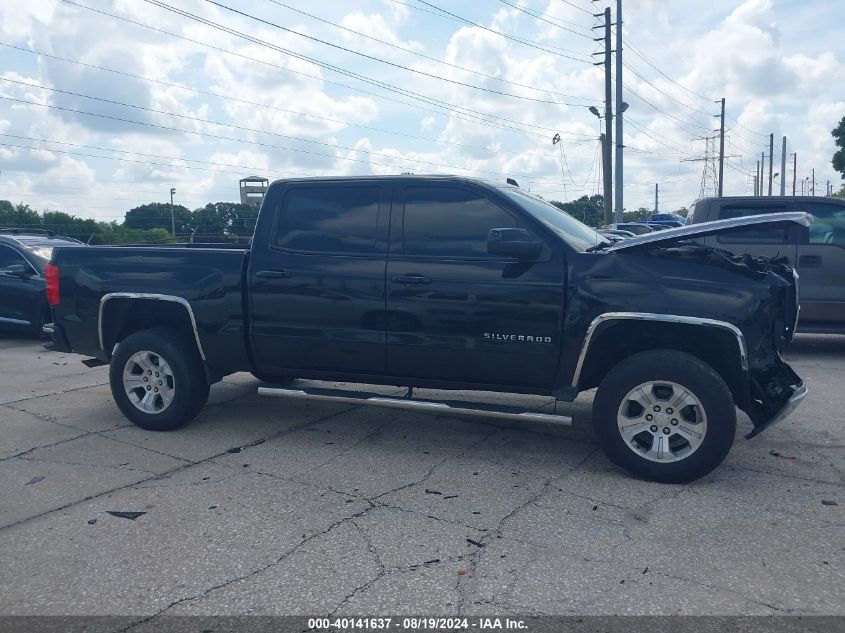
767	220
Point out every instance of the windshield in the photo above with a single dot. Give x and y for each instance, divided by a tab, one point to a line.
578	235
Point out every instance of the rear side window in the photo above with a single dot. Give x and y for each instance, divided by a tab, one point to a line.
450	223
9	257
752	235
341	220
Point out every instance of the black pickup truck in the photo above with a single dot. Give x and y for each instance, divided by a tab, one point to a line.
449	283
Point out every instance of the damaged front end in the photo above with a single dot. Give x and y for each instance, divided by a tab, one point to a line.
773	390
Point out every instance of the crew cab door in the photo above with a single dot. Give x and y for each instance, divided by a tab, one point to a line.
316	278
457	313
821	263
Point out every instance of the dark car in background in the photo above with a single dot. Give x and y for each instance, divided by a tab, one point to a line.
23	256
816	252
663	220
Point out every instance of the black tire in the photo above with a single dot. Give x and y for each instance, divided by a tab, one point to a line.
694	376
189	384
273	379
37	328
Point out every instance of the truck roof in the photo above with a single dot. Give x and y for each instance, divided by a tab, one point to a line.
380	178
777	199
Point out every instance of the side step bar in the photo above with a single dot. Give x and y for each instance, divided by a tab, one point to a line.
451	407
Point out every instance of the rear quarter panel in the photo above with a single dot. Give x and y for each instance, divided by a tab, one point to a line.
209	279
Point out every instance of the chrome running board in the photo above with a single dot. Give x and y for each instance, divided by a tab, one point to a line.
452	407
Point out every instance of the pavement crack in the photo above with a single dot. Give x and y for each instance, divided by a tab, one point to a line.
287	554
109	466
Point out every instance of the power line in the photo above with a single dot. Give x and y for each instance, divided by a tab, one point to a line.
280	109
575	6
665	94
443	14
228	125
423	55
258	143
207	22
658	138
665	113
655	67
542	18
448	109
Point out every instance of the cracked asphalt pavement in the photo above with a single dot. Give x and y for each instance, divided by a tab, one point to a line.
272	506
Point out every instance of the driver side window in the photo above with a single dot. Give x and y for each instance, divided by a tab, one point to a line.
450	223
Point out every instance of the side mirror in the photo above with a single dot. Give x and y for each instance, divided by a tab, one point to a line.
517	243
19	270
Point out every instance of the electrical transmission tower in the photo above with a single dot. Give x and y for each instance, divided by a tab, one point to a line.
710	173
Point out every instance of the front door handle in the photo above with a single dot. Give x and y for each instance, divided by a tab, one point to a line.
810	261
411	280
273	274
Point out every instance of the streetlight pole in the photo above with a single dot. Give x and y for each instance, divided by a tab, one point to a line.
172	217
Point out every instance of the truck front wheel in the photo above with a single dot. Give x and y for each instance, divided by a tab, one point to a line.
664	416
157	379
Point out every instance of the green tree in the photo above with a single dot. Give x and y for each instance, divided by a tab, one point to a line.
838	134
640	215
587	209
157	215
18	215
224	220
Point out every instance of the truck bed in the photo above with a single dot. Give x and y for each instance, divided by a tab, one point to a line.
209	281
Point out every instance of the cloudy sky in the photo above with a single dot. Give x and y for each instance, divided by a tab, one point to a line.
106	104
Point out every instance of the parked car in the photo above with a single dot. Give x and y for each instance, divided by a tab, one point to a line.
448	283
637	228
666	219
817	252
614	235
23	255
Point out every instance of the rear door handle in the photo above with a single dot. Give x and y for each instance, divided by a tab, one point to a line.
810	260
411	279
273	274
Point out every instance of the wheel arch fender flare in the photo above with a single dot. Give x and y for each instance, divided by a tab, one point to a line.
598	326
109	298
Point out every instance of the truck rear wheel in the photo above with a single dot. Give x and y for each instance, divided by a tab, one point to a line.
157	379
664	416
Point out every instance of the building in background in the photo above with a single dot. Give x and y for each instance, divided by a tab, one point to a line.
253	189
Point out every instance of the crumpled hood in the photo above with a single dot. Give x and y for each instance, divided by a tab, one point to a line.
667	236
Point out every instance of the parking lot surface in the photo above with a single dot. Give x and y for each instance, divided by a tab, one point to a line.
270	506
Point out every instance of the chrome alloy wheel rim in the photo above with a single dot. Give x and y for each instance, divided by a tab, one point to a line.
148	382
662	421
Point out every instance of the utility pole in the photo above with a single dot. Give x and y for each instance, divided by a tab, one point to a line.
757	179
794	170
762	169
813	183
722	148
620	108
608	119
656	197
172	217
771	159
783	168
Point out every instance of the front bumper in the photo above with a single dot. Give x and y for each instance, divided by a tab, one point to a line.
799	392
